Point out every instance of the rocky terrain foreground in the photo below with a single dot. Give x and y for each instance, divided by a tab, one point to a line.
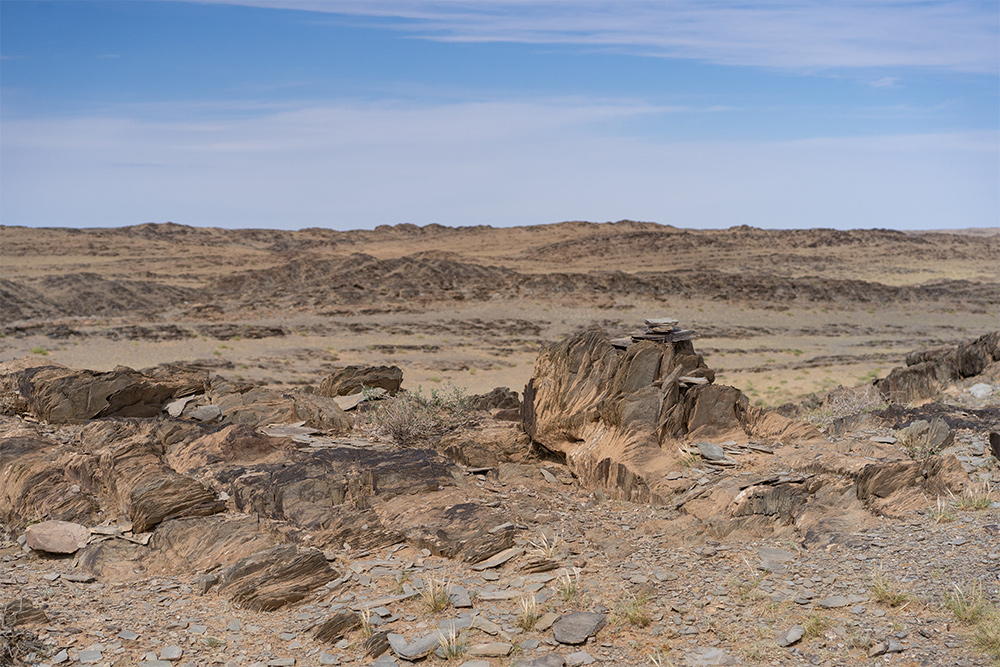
626	509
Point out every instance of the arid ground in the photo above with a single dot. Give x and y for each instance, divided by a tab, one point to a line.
640	505
781	314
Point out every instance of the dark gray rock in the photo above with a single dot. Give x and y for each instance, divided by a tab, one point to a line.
791	635
576	627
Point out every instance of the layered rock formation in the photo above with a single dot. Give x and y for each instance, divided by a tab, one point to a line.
648	424
927	372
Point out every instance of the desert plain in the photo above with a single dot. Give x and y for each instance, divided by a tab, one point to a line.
780	490
780	314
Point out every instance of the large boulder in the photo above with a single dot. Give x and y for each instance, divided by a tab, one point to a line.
927	372
353	379
57	537
61	395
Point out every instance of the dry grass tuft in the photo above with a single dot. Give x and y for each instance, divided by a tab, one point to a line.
529	613
635	610
969	604
435	596
885	590
974	498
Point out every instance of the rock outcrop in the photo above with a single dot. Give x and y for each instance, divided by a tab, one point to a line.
62	395
618	416
259	406
644	421
927	372
354	379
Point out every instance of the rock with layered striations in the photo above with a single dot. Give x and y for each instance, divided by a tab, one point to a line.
499	398
146	489
39	478
617	415
63	395
270	579
895	488
258	406
577	627
354	379
927	372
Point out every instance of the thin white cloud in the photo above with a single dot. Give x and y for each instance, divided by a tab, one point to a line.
349	166
885	82
958	35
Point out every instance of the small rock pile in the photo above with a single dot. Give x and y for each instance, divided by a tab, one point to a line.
658	330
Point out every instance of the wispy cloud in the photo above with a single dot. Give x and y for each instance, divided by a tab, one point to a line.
885	82
351	165
957	35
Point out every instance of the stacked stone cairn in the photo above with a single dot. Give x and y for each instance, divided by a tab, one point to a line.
658	330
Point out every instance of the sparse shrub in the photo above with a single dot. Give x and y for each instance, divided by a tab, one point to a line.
453	644
941	512
40	350
758	651
366	622
545	547
569	587
974	498
861	640
847	403
658	659
410	416
402	578
746	588
986	635
815	625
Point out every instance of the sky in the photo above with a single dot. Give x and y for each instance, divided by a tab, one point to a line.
349	114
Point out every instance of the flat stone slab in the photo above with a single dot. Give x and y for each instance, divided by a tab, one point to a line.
791	635
491	650
88	656
776	555
836	601
576	627
459	596
498	559
550	660
57	537
711	451
579	658
417	649
486	625
500	595
709	657
171	653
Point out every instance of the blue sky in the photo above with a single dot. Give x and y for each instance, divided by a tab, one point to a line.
354	113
